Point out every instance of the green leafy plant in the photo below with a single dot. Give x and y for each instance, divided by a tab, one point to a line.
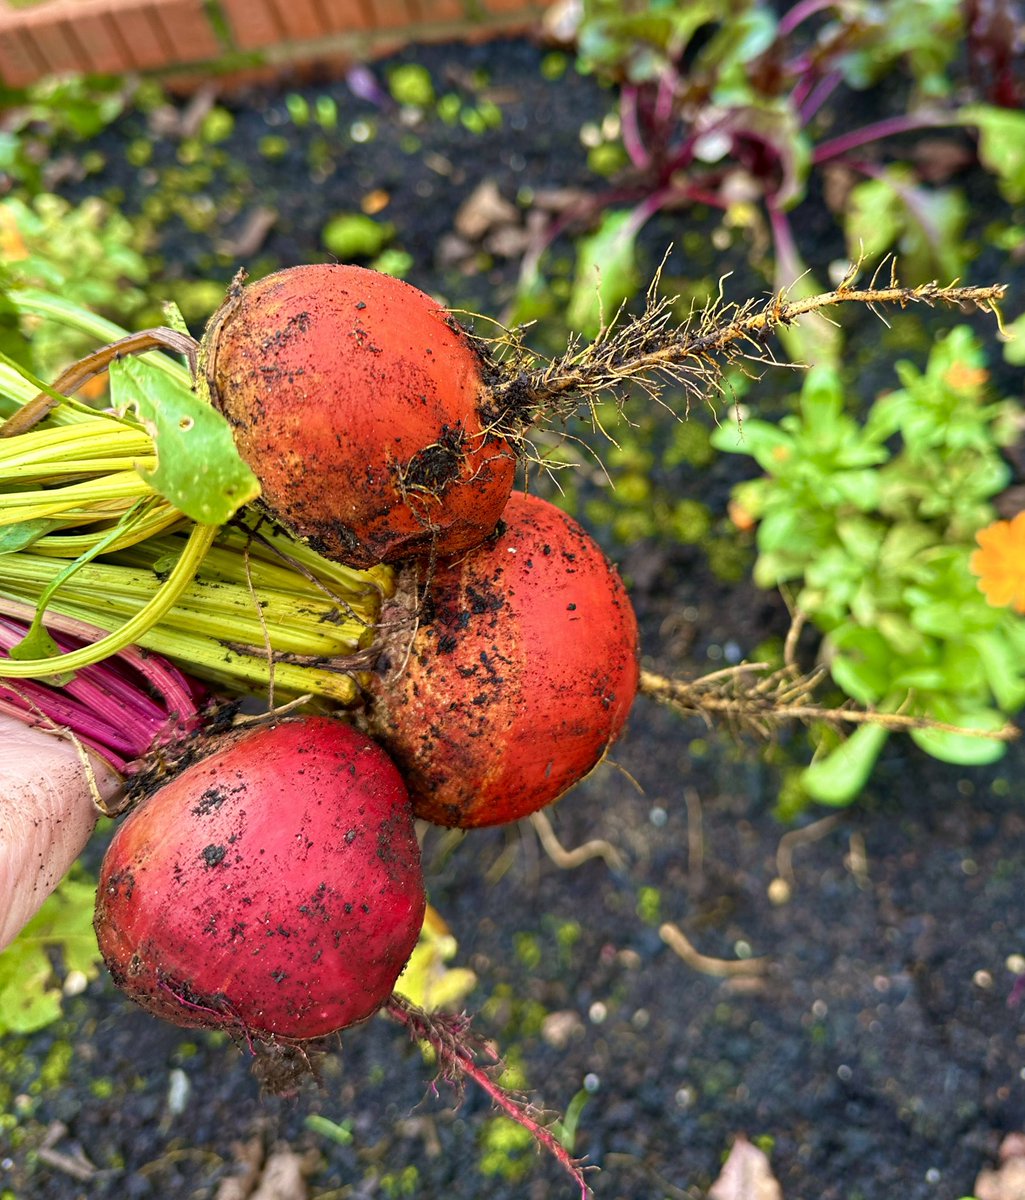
89	254
356	237
736	107
56	112
58	941
870	525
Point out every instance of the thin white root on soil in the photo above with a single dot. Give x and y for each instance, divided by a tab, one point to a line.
568	860
800	837
678	942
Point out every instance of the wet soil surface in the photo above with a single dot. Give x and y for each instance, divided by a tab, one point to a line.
876	1044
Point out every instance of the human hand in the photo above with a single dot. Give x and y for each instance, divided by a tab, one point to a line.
47	812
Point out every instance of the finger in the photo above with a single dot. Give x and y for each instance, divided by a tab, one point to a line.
46	816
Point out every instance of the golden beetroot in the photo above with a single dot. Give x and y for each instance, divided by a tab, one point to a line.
272	888
359	404
522	671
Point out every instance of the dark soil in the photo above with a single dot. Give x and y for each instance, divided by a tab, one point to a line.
880	1053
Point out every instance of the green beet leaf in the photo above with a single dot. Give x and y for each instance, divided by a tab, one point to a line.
924	224
30	993
1005	672
1001	146
606	274
198	468
21	536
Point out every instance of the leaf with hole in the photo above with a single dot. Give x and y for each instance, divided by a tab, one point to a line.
198	468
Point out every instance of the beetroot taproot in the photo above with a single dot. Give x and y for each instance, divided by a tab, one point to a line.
271	888
521	672
358	402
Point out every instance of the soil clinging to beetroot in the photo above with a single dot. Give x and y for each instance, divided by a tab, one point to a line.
272	888
358	403
520	675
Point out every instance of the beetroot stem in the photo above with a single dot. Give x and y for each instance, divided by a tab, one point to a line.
448	1038
150	614
845	142
119	708
800	13
160	675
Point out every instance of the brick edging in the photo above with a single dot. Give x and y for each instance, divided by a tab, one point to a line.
114	37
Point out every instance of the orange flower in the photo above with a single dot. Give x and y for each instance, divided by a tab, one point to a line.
12	244
740	516
1000	562
963	378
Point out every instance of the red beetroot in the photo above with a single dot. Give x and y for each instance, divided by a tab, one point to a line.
358	403
273	887
520	676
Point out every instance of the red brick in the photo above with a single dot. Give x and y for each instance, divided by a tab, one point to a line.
391	14
524	7
143	38
344	16
20	63
300	20
254	23
432	12
185	30
102	50
55	48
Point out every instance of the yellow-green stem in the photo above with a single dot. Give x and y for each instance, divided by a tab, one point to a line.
74	502
200	540
229	668
160	518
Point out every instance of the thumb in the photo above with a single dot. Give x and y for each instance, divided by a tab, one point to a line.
46	816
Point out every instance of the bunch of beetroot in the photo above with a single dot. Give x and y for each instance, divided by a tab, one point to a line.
273	887
370	418
275	884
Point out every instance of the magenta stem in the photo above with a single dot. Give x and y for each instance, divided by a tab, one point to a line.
114	690
800	13
119	708
448	1038
630	129
647	209
36	704
789	266
818	95
178	693
874	133
665	97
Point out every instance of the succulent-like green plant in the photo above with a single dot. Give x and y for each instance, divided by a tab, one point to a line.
870	524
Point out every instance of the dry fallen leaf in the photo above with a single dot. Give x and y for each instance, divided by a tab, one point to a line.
484	210
1006	1182
279	1176
284	1177
746	1175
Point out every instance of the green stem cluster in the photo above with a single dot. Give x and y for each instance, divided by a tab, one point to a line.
85	532
229	606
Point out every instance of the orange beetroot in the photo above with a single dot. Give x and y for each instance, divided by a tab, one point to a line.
358	402
272	888
520	674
